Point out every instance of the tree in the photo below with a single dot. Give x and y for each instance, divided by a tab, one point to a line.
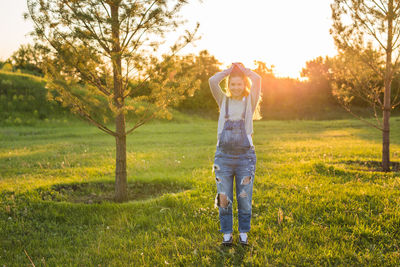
318	83
100	48
29	58
373	26
202	100
355	84
6	66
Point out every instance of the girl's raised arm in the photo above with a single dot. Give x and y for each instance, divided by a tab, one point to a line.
255	89
214	85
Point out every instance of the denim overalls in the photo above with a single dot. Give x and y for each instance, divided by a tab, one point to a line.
234	157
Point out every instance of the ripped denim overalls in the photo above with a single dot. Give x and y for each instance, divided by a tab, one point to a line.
235	159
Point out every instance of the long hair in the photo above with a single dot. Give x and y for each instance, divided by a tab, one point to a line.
236	72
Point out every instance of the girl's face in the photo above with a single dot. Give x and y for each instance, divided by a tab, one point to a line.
236	86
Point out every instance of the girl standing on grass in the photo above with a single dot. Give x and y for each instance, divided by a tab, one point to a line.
235	154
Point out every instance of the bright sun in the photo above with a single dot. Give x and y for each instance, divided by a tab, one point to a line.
285	34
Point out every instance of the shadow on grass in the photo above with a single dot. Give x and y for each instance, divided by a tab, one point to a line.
372	165
72	231
354	170
103	191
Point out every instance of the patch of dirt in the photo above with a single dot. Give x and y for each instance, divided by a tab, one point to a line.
98	192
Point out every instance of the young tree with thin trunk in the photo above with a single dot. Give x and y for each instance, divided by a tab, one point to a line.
103	56
365	29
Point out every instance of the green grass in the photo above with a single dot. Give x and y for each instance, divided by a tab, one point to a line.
315	202
23	100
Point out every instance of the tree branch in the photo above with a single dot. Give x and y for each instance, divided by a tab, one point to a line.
95	80
358	117
90	29
124	45
383	4
99	125
395	97
168	59
366	25
396	104
373	67
382	8
105	8
360	92
100	28
77	104
379	123
143	120
138	124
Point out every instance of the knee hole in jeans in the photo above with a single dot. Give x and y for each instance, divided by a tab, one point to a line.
222	200
246	180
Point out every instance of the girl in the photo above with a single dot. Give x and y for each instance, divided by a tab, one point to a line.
235	155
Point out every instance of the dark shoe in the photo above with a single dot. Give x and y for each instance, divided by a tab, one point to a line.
227	242
242	241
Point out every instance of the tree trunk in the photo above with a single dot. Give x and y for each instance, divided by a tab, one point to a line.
386	97
121	189
386	141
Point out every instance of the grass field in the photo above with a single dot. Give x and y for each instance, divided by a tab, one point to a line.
316	200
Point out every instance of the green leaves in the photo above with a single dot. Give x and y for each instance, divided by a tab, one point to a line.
100	48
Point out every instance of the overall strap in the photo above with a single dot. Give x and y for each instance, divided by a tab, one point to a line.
226	107
245	107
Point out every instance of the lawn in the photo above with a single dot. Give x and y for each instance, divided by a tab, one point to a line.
318	199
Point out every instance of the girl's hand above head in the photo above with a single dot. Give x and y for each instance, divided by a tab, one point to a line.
239	64
229	70
241	67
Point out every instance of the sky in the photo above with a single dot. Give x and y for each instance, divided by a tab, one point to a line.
284	33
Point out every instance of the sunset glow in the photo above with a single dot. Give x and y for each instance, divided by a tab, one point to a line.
281	33
285	34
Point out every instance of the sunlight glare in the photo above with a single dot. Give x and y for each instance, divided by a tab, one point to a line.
281	33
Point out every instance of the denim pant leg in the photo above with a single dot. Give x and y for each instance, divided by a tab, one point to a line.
245	173
224	180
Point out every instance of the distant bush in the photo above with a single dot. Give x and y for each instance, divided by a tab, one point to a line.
7	67
23	99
